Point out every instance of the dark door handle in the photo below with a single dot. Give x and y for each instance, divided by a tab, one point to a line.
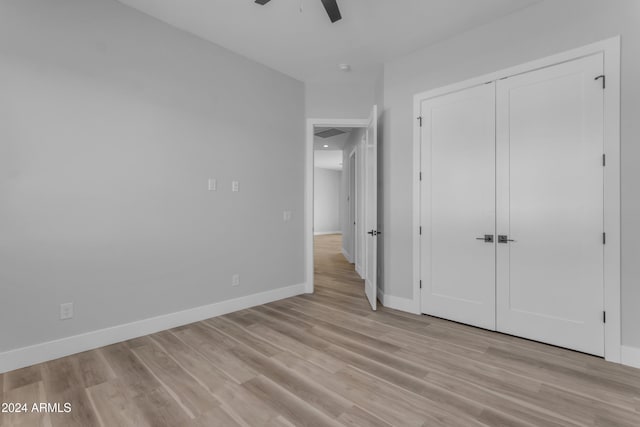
504	239
372	232
488	238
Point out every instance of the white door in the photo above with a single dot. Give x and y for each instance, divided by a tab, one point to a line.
371	208
550	205
458	206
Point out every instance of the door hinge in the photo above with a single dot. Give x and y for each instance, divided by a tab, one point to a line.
420	230
420	176
604	317
419	120
604	80
604	238
604	160
420	284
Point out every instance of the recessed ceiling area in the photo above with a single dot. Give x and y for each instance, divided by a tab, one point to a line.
328	133
307	46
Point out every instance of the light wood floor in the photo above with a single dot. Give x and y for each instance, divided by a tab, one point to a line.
326	359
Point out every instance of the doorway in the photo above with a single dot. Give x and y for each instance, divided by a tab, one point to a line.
358	195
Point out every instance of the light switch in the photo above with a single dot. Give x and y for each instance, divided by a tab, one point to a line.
235	186
287	215
213	184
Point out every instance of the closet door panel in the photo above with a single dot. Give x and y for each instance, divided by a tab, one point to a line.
550	204
458	206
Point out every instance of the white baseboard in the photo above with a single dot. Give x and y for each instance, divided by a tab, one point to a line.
27	356
347	255
324	233
630	356
398	303
359	271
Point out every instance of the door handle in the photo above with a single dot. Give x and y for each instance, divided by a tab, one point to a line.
372	232
504	239
488	238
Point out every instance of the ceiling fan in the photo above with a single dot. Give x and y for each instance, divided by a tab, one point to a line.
331	6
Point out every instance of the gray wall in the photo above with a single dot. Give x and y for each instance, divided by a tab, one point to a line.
541	30
110	124
326	200
351	100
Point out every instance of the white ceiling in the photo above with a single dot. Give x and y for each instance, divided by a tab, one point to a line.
328	159
308	47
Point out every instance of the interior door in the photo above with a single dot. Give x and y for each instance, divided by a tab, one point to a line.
550	205
371	208
458	206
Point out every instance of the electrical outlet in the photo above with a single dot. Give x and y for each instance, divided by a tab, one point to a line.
235	280
66	311
235	186
286	216
213	184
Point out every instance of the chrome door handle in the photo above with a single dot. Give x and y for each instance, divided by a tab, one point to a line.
488	238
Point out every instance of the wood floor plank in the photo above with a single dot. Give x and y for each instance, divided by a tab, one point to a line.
291	407
93	368
357	417
229	328
323	360
217	417
128	368
188	392
20	377
193	362
315	395
251	409
82	412
113	401
27	394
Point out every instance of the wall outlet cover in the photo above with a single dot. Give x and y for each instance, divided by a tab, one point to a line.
66	311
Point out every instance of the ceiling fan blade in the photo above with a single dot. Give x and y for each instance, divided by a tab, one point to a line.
331	6
262	2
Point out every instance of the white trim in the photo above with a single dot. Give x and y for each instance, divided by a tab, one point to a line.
611	50
347	255
27	356
308	191
353	199
397	303
630	356
326	233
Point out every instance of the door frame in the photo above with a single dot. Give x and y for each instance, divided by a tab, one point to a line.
308	190
612	291
353	200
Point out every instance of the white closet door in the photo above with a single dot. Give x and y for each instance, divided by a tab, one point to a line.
458	206
550	203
